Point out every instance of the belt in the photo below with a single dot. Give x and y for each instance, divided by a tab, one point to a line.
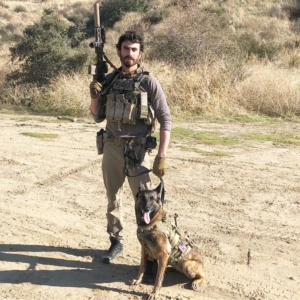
118	141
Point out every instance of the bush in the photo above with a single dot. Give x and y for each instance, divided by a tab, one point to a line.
250	45
156	16
113	10
3	4
292	9
44	51
82	17
20	8
193	36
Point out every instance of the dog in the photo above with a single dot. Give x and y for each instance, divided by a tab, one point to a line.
161	240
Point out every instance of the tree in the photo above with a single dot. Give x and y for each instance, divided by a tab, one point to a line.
46	49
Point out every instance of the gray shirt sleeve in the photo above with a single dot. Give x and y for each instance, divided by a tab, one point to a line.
157	98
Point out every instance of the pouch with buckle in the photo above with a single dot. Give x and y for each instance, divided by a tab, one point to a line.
100	140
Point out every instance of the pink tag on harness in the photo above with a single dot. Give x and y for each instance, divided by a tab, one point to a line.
182	247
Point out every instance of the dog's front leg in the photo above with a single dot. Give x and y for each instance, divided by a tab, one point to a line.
162	265
144	257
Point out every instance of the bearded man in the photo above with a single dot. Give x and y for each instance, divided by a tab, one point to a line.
133	100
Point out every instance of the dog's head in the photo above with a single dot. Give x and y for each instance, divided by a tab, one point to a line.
148	203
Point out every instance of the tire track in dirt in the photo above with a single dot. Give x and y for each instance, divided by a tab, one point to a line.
57	177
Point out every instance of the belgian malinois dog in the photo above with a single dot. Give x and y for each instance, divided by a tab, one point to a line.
162	241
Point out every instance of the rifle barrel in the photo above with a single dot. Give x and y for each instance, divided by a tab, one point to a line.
97	14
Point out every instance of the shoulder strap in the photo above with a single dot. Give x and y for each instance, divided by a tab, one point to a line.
108	84
138	80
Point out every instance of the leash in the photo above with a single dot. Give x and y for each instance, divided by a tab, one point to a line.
162	197
135	160
129	150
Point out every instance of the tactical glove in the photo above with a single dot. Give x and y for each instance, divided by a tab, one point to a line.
95	89
159	166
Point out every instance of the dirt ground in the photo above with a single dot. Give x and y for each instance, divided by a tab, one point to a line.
242	209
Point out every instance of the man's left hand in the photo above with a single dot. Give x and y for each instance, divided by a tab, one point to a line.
159	166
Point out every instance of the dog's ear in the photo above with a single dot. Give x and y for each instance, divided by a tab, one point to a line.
141	187
158	189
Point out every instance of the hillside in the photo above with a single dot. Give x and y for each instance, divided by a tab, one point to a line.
214	58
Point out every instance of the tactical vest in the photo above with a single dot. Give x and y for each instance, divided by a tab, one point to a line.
125	103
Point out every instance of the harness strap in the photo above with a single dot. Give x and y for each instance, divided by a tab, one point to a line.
138	80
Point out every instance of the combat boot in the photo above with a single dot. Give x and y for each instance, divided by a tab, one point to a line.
115	249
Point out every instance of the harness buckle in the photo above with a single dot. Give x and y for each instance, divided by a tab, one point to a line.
188	240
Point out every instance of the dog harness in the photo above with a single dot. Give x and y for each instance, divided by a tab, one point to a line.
180	247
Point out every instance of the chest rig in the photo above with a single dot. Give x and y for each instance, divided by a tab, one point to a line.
126	103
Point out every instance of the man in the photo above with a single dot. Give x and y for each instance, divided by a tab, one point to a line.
130	94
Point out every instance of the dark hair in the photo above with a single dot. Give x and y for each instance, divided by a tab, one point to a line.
131	36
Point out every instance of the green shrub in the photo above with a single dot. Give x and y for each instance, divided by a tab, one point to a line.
250	45
20	8
156	16
82	17
45	50
292	9
113	10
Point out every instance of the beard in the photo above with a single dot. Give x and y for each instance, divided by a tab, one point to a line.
129	61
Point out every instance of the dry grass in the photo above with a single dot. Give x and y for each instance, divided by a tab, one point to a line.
69	94
204	90
271	90
221	80
66	95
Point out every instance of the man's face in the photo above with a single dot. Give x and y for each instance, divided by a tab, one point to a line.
129	54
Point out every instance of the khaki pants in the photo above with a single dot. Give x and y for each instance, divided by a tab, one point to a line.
114	177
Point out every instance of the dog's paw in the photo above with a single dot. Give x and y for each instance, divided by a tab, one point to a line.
196	284
152	296
136	282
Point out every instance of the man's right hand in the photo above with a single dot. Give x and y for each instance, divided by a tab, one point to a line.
95	89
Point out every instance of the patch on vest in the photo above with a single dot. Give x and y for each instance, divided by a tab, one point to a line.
182	247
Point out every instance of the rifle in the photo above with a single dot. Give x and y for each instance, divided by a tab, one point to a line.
100	69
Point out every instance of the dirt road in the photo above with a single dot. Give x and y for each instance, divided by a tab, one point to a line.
242	209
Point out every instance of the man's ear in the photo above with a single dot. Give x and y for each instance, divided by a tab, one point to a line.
119	52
